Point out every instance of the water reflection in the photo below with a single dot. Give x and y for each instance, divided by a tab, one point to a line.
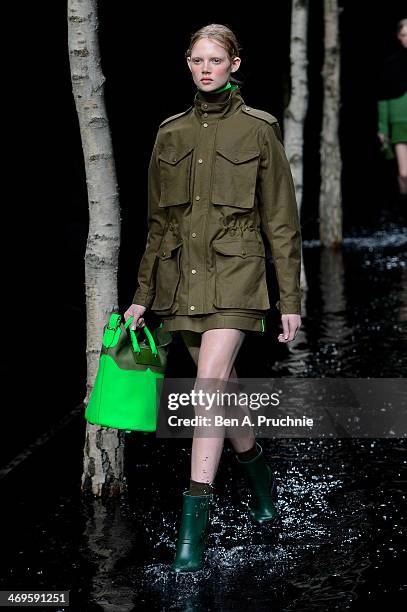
107	541
356	310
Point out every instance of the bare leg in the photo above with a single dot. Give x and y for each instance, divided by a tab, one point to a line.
243	442
214	354
401	155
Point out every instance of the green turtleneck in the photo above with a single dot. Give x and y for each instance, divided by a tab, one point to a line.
217	95
227	86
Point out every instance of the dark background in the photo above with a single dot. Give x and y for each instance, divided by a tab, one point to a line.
45	216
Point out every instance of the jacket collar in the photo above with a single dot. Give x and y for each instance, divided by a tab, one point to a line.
204	109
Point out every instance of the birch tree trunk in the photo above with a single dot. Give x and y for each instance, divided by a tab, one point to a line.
330	203
294	114
104	448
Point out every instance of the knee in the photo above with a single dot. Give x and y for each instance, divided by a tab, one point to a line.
216	372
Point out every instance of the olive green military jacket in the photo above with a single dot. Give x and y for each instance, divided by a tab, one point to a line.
218	174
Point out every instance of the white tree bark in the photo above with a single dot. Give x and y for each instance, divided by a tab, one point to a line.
294	114
330	204
104	448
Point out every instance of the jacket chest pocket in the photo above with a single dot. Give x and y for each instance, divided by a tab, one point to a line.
168	274
234	177
175	172
240	280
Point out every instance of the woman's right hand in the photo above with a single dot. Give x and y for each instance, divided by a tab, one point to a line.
136	311
381	137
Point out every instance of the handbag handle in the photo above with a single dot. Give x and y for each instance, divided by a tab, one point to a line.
133	337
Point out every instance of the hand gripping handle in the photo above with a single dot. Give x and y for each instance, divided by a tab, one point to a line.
133	337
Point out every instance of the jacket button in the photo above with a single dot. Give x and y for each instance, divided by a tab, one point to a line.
205	106
199	161
236	159
205	114
174	159
243	252
192	307
205	125
193	271
193	235
197	197
162	252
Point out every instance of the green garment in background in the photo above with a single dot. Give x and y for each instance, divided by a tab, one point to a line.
392	118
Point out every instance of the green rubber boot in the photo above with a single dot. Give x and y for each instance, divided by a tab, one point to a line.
192	532
263	487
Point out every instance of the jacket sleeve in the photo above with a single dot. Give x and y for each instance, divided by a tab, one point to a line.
383	116
280	219
156	219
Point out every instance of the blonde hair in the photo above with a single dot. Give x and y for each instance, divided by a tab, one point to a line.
223	36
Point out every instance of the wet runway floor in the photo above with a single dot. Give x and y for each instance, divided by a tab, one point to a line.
340	542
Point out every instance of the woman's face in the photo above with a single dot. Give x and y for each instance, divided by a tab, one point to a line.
402	36
210	60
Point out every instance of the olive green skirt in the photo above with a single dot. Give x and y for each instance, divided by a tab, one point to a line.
399	132
199	323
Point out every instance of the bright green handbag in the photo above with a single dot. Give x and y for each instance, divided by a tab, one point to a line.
126	394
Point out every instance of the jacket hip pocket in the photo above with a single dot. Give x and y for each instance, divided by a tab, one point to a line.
235	176
175	172
167	276
240	280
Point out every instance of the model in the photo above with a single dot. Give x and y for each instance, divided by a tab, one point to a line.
392	105
218	177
